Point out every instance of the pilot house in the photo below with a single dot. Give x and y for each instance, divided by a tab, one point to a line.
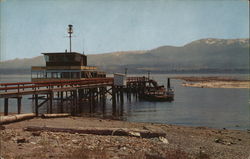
64	66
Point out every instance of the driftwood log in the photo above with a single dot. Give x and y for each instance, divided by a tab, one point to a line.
114	132
55	115
13	118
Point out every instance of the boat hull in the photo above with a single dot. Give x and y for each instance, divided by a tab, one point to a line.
161	98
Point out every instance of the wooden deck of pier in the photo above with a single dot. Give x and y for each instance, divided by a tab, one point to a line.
70	90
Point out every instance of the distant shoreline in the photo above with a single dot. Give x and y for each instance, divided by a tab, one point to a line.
215	82
23	71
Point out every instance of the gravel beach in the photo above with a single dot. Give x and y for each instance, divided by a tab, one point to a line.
179	142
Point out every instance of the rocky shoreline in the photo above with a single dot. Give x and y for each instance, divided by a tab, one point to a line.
179	141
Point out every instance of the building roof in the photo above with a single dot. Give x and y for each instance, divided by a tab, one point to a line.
62	53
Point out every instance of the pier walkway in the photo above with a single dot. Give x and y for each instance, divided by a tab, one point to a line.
73	91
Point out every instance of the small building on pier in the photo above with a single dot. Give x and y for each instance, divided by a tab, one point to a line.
65	66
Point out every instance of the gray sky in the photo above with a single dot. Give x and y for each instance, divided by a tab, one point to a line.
29	27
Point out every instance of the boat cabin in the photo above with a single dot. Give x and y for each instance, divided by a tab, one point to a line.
64	66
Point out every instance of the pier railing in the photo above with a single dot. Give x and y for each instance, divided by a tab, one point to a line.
136	79
29	87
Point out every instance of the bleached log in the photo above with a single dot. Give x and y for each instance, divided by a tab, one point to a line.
115	132
55	115
13	118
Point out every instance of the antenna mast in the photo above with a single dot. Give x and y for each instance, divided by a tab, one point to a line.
70	31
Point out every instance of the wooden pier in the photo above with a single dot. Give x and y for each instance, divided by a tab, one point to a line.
72	91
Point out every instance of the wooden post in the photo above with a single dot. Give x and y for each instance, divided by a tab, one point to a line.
36	104
96	96
99	91
114	100
71	102
19	105
80	96
6	106
117	94
103	100
129	92
75	101
90	100
62	102
121	94
50	102
93	99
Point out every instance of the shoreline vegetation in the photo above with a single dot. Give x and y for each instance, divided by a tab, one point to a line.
214	82
173	142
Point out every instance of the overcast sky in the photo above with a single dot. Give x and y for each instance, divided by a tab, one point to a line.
29	27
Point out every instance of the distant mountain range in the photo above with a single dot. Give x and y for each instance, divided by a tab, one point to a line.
205	55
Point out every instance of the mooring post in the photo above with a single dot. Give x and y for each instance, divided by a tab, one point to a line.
19	105
36	104
6	106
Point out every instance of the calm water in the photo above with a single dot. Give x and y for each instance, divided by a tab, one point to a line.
211	107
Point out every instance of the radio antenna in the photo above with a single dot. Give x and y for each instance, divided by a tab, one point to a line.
70	31
83	46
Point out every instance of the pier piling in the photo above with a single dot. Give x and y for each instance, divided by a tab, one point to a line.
6	106
19	105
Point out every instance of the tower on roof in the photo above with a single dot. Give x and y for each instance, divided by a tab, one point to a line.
70	31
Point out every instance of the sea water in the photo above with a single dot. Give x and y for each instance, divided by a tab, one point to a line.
210	107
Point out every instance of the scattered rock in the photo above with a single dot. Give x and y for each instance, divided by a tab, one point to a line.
137	134
38	133
218	140
75	141
164	140
229	143
21	140
2	128
145	128
201	127
124	148
223	142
